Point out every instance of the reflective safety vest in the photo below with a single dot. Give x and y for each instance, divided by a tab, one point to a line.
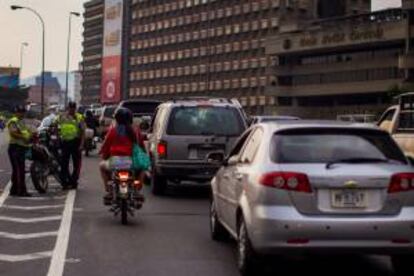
70	127
24	130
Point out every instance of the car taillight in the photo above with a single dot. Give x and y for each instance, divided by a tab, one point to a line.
123	175
290	181
162	149
401	182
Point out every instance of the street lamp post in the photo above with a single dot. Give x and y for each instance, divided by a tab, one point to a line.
42	86
24	44
68	55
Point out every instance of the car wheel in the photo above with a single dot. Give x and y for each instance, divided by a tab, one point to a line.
246	257
217	230
158	183
402	264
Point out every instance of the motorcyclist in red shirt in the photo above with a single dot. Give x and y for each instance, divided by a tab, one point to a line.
119	141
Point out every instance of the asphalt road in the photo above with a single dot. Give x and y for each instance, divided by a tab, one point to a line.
73	234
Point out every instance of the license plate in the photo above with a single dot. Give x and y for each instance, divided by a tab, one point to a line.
349	199
123	190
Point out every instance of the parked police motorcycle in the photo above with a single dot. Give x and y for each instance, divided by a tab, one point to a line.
126	188
45	155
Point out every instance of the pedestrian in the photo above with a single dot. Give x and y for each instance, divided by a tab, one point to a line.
71	127
20	138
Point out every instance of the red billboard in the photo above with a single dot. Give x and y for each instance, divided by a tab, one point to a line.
112	52
111	80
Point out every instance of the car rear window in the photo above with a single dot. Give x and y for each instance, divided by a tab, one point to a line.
141	107
208	120
327	145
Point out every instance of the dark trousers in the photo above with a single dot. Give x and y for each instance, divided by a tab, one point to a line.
17	155
70	149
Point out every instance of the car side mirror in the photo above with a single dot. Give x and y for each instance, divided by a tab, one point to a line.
216	158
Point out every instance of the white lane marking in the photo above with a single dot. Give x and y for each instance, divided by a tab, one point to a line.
29	220
59	253
5	193
72	261
25	257
27	236
43	198
29	208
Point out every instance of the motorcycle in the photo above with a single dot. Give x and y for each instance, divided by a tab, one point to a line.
126	189
45	156
91	141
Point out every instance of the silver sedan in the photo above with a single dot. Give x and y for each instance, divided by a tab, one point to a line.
299	186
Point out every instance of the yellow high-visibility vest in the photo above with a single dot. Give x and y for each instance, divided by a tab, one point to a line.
24	130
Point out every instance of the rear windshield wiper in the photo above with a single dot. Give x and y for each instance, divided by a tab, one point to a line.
358	160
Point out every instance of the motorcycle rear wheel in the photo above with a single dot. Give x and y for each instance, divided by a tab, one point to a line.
124	211
39	177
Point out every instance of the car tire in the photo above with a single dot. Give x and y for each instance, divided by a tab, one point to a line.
402	264
217	230
158	183
246	257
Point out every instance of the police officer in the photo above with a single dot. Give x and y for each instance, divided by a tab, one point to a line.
72	134
20	138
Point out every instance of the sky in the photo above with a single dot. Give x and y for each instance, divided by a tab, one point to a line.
21	26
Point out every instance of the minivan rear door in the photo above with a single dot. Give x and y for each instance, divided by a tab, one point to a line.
195	131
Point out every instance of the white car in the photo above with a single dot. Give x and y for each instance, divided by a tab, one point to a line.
303	186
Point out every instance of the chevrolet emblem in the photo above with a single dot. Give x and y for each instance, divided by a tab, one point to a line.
351	184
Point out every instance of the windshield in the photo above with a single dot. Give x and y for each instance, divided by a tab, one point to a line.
205	121
141	107
324	146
